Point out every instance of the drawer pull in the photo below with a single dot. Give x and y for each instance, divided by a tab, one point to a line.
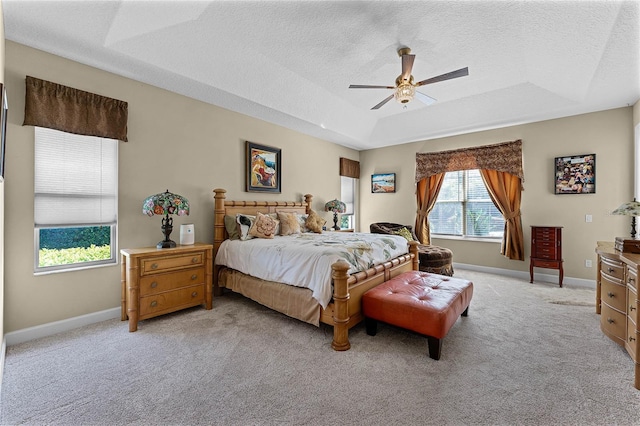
194	260
632	339
610	294
194	294
154	284
154	304
154	266
610	270
194	276
632	308
610	321
631	280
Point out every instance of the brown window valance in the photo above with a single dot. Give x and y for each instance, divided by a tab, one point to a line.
349	168
504	157
71	110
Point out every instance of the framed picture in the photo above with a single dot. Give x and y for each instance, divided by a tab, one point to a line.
383	182
575	174
3	127
263	168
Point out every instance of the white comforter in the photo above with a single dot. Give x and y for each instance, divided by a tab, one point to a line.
305	260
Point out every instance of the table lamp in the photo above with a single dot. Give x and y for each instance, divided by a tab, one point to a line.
629	209
166	203
335	206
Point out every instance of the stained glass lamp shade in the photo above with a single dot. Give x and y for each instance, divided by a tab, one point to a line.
166	203
335	206
629	209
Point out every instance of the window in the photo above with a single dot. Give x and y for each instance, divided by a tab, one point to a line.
348	197
76	193
464	208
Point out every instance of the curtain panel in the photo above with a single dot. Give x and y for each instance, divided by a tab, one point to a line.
504	157
70	110
349	168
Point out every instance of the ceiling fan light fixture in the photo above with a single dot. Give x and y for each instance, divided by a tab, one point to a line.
404	93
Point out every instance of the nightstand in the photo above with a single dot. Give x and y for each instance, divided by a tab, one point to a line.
340	230
158	281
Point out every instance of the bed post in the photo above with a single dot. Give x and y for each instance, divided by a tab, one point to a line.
340	306
307	199
413	249
218	232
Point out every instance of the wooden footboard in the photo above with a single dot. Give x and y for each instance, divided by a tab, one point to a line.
344	311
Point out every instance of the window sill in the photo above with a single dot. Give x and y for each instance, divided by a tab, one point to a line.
475	239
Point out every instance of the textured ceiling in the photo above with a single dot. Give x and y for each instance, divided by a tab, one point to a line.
291	62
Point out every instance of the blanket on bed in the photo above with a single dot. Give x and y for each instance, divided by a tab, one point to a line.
304	260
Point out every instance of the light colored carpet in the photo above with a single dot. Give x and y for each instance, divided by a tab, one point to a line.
527	354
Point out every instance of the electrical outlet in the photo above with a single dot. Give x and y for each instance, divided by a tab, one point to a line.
587	263
588	218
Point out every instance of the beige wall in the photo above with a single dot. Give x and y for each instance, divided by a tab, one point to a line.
175	143
608	134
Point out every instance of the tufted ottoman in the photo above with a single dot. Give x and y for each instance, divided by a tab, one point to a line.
435	259
425	303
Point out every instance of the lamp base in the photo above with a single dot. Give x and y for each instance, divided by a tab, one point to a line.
335	221
166	244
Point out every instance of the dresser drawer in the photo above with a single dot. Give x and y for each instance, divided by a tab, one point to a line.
613	294
168	263
546	251
632	278
632	304
632	339
171	301
611	267
152	284
551	264
613	324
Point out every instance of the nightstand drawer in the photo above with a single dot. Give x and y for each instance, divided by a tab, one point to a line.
171	301
159	283
155	265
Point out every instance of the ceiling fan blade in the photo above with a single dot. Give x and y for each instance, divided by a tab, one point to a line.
364	86
448	76
426	99
383	102
407	66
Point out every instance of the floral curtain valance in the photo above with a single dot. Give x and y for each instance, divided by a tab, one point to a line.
71	110
503	157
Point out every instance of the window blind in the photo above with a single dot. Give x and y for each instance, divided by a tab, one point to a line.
76	179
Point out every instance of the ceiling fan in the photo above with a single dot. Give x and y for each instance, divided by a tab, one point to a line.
405	88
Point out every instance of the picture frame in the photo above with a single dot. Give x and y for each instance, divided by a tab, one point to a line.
263	168
575	174
4	109
383	183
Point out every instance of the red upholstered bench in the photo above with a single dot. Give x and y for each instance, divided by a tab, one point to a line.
425	303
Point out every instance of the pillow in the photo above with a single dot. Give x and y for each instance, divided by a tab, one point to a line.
302	220
314	222
231	226
244	222
274	216
289	224
405	233
263	227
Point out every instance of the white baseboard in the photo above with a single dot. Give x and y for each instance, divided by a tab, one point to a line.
3	351
524	275
26	334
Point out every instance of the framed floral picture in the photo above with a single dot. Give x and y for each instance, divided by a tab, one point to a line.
575	174
264	171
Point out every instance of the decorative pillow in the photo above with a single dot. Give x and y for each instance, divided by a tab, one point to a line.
263	227
274	216
405	233
314	222
231	226
289	224
302	220
244	222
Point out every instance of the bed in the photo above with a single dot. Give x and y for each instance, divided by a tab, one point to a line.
342	311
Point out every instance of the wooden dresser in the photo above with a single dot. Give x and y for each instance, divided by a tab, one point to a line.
546	249
158	281
617	299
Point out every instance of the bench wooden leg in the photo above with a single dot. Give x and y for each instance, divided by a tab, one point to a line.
372	326
466	312
435	345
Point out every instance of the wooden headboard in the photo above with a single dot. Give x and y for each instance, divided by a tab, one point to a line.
228	207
